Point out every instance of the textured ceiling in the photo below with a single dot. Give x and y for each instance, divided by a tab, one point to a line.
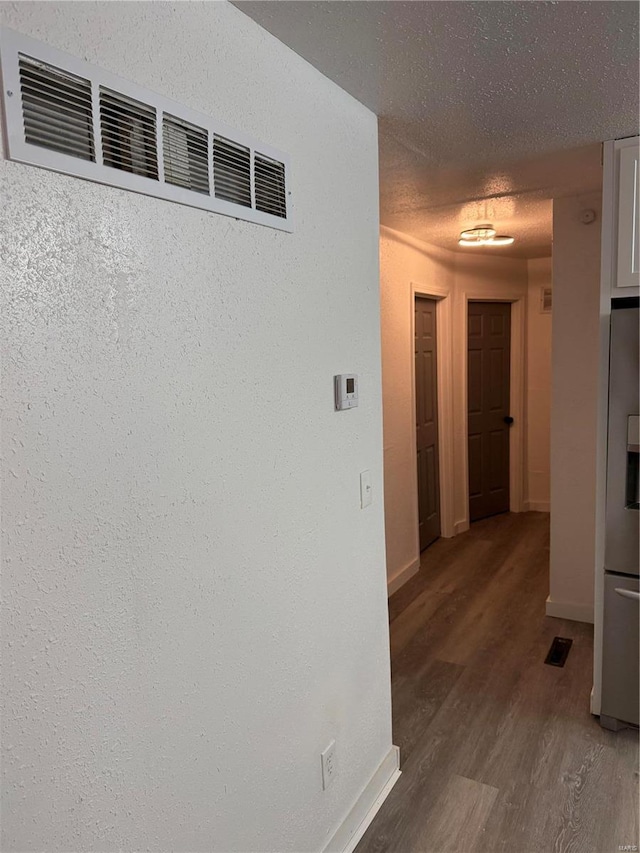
487	110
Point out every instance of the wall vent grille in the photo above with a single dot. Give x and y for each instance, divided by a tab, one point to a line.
128	133
270	186
232	171
185	154
546	300
56	109
75	118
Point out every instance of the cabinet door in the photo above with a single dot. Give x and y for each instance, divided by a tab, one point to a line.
628	267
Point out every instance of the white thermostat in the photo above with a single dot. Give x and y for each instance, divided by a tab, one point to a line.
346	386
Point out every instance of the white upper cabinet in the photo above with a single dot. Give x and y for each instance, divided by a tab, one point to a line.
628	271
621	217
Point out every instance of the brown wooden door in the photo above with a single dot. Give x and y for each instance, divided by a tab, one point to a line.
488	405
427	422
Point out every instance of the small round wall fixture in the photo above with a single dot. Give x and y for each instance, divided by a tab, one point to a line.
588	216
484	235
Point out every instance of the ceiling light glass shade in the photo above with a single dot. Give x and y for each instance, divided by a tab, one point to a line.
483	235
482	232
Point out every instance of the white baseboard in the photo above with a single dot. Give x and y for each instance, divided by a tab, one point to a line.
402	577
537	506
356	823
461	526
569	610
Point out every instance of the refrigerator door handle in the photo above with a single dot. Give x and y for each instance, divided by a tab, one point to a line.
628	593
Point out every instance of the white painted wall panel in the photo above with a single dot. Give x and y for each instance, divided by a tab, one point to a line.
574	406
194	603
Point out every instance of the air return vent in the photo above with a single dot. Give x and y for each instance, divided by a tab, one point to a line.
186	154
69	116
232	171
546	299
270	189
56	109
128	131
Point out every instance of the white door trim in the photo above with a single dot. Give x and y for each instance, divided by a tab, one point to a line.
444	351
517	387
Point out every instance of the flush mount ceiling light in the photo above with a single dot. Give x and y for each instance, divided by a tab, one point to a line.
483	235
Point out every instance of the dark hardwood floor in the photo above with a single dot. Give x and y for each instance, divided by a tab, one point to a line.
498	750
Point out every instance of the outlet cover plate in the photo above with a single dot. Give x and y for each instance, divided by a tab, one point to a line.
329	768
365	489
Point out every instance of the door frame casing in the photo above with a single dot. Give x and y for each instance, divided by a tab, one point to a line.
517	389
444	395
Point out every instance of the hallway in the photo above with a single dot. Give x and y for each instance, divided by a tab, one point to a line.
498	750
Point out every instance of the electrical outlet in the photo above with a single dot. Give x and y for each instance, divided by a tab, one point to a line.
329	769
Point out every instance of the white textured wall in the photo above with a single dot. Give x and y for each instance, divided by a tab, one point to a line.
574	411
194	603
538	386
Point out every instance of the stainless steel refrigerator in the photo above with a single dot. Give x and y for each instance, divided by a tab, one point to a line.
620	658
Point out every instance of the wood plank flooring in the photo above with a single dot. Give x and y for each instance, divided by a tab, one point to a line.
498	750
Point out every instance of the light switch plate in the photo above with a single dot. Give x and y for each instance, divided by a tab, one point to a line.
365	489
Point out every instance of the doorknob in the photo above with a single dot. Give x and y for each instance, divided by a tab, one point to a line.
508	420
